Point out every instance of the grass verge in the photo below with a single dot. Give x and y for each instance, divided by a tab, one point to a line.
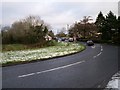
31	55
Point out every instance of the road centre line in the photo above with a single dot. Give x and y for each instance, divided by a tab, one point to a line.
49	70
61	67
26	75
94	56
98	86
99	53
93	46
101	48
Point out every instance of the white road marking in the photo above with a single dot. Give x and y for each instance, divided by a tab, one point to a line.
49	70
99	86
26	75
94	56
99	53
93	46
101	48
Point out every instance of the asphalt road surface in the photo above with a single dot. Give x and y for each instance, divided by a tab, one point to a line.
92	68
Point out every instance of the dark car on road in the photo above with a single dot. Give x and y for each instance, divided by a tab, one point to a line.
90	43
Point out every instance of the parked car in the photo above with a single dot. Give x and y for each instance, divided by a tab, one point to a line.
90	43
71	40
62	39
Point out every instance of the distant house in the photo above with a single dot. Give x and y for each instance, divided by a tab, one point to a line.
48	38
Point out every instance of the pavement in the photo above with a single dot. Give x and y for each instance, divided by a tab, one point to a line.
114	82
91	68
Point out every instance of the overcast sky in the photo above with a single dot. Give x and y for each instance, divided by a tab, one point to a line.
57	13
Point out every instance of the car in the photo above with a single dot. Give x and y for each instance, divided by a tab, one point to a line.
90	43
62	39
71	40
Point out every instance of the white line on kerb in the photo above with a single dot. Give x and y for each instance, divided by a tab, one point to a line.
49	70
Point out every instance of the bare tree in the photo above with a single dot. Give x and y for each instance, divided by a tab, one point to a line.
83	29
85	21
31	29
33	20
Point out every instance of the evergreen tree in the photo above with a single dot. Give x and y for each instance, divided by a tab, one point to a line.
111	25
100	22
118	30
116	37
118	25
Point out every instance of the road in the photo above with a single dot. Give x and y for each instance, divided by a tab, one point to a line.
92	68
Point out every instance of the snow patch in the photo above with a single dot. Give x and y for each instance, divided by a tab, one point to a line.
114	82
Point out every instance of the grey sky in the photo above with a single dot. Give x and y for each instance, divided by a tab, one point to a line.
57	14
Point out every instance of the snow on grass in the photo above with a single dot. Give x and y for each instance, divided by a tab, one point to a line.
42	53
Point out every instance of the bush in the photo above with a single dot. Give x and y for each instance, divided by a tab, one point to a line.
13	47
51	43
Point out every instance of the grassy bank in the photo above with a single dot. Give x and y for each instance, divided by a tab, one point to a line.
16	47
60	49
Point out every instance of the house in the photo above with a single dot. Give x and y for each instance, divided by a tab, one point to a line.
48	38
